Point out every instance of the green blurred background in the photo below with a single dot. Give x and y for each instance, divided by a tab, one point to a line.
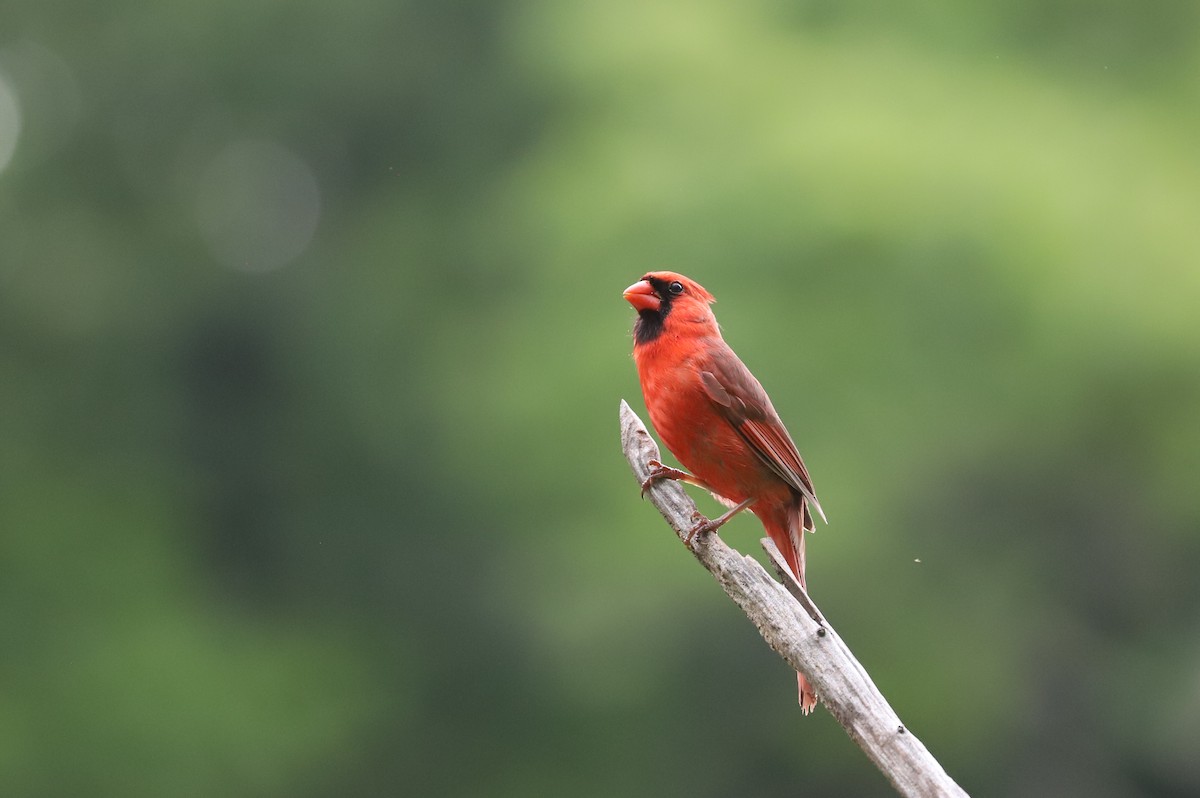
312	342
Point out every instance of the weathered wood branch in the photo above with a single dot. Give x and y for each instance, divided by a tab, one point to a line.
808	645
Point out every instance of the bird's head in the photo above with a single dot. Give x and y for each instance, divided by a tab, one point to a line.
659	295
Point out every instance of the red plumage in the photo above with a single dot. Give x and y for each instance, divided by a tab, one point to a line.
716	418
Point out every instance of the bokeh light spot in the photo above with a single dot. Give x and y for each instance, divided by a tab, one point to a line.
50	102
10	123
257	205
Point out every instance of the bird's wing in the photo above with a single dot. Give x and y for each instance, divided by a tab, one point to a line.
742	400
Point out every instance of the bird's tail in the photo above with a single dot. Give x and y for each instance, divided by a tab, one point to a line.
790	541
808	696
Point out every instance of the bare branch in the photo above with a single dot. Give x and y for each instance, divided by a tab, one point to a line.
808	645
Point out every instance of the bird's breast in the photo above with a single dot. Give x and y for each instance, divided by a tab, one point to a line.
693	429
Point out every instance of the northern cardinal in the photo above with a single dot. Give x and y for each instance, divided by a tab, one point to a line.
717	420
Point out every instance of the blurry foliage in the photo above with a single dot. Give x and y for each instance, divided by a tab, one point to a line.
359	525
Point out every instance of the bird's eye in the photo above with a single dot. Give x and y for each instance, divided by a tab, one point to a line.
676	288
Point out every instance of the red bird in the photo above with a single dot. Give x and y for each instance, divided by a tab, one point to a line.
717	420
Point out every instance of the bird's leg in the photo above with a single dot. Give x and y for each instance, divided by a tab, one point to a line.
658	471
705	526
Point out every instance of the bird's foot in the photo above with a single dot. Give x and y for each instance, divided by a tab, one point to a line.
658	472
704	526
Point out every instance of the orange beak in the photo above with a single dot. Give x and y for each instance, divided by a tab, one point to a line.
642	296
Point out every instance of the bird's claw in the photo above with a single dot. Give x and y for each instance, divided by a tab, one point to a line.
702	527
654	475
658	471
